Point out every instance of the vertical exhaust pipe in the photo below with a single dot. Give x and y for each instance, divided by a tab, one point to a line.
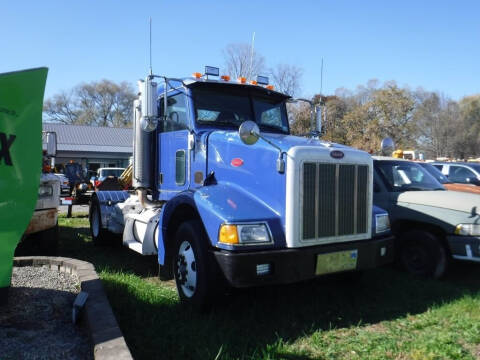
145	122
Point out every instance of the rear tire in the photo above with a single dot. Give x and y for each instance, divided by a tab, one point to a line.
422	254
194	267
100	236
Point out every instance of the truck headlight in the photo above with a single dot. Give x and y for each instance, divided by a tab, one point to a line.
45	190
382	223
244	234
468	229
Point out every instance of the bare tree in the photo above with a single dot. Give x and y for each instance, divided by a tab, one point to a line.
102	103
61	108
287	78
242	61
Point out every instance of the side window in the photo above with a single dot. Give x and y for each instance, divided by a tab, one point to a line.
460	174
177	118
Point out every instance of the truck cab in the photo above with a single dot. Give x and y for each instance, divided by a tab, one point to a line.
224	191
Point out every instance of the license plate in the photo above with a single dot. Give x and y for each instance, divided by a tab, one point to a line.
66	201
336	262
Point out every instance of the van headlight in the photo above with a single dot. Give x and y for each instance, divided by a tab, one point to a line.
382	223
468	229
45	190
244	234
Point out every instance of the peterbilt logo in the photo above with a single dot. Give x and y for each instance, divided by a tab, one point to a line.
337	154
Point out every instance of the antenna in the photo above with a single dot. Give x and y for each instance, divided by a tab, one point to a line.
151	71
251	56
321	79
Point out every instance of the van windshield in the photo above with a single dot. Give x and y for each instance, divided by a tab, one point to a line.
220	107
406	176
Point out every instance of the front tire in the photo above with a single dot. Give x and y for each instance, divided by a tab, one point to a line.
194	267
422	254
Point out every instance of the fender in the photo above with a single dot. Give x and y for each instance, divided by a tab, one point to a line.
228	203
219	204
184	198
107	199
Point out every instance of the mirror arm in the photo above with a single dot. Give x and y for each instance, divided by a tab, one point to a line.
280	160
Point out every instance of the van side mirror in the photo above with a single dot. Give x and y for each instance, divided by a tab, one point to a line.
473	181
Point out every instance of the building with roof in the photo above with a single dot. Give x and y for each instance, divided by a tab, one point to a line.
92	146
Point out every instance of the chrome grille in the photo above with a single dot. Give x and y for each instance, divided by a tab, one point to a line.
335	200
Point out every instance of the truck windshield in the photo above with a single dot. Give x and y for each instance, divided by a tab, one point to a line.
229	108
406	176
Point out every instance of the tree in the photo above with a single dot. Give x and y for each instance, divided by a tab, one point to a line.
467	139
436	117
392	109
286	78
242	61
103	103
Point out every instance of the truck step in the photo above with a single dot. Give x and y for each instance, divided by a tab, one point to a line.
137	247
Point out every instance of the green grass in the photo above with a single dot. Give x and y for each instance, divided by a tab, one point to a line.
386	315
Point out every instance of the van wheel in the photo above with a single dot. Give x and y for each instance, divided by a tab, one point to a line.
193	266
100	236
422	254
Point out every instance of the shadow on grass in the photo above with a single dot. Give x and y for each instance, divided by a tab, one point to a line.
75	242
254	323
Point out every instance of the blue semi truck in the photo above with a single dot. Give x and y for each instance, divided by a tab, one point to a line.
224	194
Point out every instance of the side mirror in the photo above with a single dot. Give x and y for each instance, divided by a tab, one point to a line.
51	142
249	132
473	181
148	100
318	118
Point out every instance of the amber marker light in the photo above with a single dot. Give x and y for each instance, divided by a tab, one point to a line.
253	82
197	75
228	234
242	80
270	87
225	77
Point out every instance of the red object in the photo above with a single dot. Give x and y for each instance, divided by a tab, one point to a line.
97	183
236	162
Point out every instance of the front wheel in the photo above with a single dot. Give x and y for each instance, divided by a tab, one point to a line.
422	254
194	267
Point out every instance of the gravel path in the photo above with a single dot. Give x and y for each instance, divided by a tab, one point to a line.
37	322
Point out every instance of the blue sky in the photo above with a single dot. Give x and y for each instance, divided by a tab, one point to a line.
433	44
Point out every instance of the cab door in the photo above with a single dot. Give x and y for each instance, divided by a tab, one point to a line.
174	155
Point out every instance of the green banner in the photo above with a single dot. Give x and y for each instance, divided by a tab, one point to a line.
21	102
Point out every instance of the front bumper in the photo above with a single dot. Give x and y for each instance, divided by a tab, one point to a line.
464	247
42	220
293	265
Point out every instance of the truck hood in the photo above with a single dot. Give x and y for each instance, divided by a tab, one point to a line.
452	200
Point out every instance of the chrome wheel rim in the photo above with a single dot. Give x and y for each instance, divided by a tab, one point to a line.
187	269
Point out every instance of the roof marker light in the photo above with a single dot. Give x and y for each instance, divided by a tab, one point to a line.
270	87
262	80
211	70
197	75
225	77
253	82
242	80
